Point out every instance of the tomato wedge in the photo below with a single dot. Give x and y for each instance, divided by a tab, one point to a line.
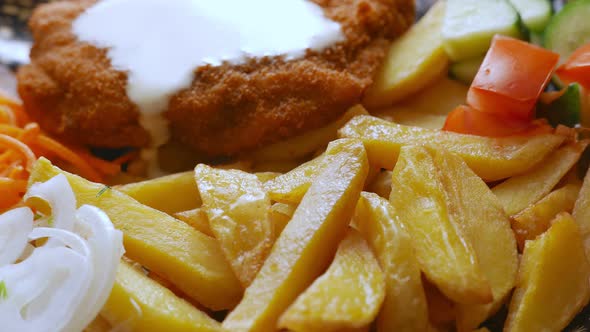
511	78
577	67
466	120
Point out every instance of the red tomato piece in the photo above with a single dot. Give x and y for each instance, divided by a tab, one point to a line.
466	120
511	78
577	67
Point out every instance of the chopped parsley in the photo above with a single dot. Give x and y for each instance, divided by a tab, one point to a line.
103	190
3	291
50	221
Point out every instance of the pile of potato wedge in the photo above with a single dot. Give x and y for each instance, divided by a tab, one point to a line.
390	228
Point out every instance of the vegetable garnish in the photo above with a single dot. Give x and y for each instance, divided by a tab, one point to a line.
466	120
577	67
511	78
505	91
22	142
102	191
67	280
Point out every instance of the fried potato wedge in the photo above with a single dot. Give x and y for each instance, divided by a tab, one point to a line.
290	187
237	207
536	219
444	254
281	214
552	283
306	246
176	192
197	219
490	158
485	225
266	176
428	108
170	193
581	210
404	308
138	303
306	144
519	192
414	60
347	296
186	257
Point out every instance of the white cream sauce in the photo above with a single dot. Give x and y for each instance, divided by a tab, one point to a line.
160	43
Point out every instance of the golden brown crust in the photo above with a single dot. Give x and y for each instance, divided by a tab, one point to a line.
72	90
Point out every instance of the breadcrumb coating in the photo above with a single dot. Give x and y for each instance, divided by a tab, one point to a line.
72	90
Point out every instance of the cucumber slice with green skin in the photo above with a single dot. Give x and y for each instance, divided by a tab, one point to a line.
569	29
470	25
567	109
535	14
466	70
536	38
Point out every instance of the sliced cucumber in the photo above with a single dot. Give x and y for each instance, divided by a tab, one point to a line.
569	29
567	109
536	38
466	70
534	13
470	25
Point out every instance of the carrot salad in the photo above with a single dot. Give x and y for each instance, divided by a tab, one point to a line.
22	142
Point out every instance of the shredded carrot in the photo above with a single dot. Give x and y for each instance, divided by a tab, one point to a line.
22	142
13	144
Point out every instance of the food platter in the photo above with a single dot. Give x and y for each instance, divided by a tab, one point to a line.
506	151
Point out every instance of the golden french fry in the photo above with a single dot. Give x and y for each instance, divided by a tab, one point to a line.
429	107
306	246
552	282
170	194
445	255
290	187
281	214
137	303
237	208
581	210
536	219
490	158
519	192
197	219
484	224
404	308
304	145
190	259
381	185
266	176
347	296
414	60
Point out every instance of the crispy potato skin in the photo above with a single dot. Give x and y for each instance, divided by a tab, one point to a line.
71	89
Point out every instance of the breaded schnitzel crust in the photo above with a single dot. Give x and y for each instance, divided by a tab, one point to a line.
71	89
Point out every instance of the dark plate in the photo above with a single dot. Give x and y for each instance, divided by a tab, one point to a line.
15	43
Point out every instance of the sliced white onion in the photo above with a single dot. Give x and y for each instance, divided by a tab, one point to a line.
15	226
62	285
58	193
106	247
